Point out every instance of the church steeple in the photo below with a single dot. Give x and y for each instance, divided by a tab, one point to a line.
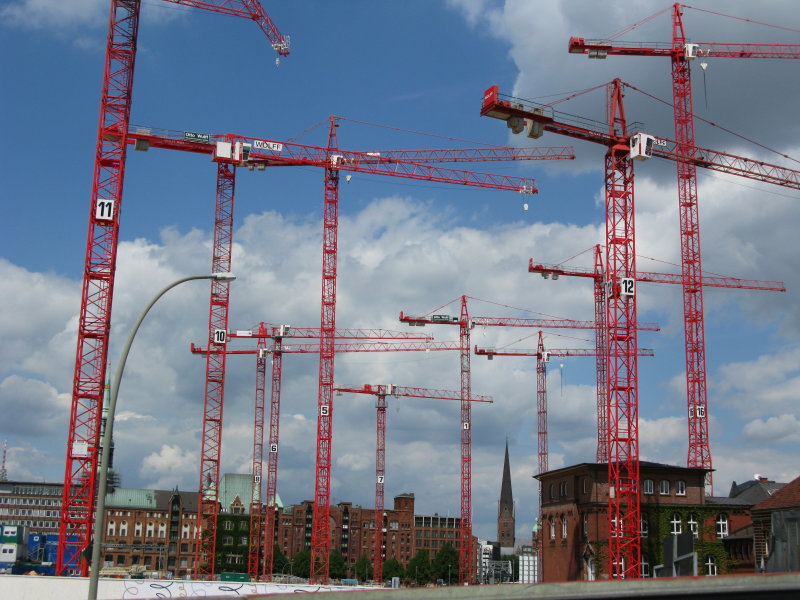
505	508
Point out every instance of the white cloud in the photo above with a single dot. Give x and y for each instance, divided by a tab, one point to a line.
39	14
781	429
162	469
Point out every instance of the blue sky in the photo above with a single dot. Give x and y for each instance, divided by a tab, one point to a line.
415	66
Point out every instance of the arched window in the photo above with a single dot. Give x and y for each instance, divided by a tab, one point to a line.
691	521
675	524
563	527
711	566
663	487
647	486
552	491
586	525
552	528
680	488
722	525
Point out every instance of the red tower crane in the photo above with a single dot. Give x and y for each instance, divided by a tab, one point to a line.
681	54
370	340
554	271
542	358
465	324
623	404
230	151
94	324
380	392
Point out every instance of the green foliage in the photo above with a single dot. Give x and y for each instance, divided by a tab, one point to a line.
419	568
279	561
363	568
393	568
337	565
705	544
301	563
447	556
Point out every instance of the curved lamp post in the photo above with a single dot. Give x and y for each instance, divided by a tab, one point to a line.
102	485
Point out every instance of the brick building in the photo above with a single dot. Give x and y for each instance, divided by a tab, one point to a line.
150	530
574	534
353	530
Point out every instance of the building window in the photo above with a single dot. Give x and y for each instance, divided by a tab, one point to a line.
691	520
645	567
552	491
675	524
562	488
680	488
552	528
647	486
618	569
663	487
614	527
644	526
711	566
585	485
563	527
227	525
722	525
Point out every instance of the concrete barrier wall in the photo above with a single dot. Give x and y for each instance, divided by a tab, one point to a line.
28	587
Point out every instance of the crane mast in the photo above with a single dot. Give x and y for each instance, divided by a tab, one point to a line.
465	324
368	340
622	408
230	151
555	271
681	53
380	392
94	320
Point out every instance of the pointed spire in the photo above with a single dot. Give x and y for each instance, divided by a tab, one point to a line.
506	495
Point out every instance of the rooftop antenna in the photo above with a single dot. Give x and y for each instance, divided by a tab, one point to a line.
3	472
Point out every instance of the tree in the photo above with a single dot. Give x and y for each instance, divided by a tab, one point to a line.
363	568
445	564
279	561
419	568
393	568
337	566
301	563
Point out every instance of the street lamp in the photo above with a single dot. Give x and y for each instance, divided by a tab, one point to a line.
99	516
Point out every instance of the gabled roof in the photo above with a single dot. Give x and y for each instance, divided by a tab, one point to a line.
786	497
755	490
